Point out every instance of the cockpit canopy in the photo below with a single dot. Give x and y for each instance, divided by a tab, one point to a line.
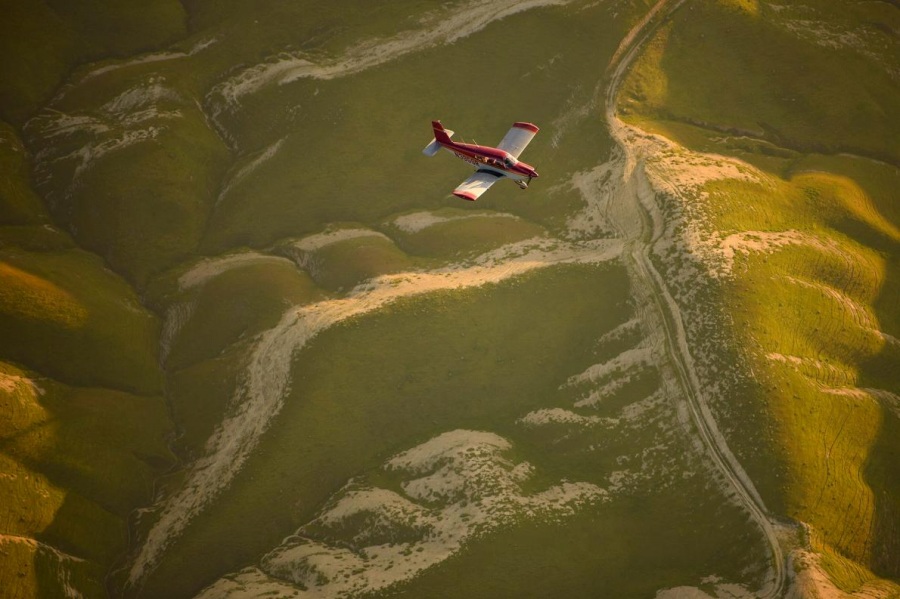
509	161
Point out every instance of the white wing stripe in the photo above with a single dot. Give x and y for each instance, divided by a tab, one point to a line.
472	188
518	138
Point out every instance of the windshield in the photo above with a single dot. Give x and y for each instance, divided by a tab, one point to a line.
509	161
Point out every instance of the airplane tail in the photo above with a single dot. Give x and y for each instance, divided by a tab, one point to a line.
441	135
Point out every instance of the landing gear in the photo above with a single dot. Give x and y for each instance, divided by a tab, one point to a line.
523	184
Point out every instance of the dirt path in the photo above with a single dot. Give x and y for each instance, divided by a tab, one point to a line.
631	210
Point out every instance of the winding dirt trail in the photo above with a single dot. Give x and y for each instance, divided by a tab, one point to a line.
631	210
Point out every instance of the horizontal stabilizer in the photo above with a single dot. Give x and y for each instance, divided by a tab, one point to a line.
432	148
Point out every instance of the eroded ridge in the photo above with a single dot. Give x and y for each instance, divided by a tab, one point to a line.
267	379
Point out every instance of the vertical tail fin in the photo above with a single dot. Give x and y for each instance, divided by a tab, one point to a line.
441	135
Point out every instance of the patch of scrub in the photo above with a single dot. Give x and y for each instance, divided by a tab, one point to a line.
455	487
609	377
418	221
321	240
718	590
456	233
547	416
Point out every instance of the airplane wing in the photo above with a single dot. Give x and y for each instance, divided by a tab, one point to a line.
518	138
472	188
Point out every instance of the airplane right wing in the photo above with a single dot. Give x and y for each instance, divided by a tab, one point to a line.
472	188
518	138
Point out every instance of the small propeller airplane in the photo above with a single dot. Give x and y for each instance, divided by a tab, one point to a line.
491	164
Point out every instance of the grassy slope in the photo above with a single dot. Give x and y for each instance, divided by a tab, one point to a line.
97	450
785	97
77	456
347	412
465	237
136	191
49	38
346	119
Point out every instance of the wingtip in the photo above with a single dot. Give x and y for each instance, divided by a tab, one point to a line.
466	195
530	126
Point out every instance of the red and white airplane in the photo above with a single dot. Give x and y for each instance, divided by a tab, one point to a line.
491	164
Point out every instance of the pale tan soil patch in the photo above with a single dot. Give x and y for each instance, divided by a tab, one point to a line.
457	486
419	221
439	28
209	268
810	581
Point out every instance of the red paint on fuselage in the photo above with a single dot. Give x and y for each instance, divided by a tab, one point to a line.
492	158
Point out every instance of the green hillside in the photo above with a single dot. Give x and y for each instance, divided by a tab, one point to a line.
250	345
808	94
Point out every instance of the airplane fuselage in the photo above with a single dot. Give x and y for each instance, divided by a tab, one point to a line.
491	159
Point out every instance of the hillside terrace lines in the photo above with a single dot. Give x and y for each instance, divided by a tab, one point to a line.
867	41
815	369
746	242
859	313
268	375
441	28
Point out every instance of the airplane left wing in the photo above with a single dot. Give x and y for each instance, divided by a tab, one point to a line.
518	138
472	188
